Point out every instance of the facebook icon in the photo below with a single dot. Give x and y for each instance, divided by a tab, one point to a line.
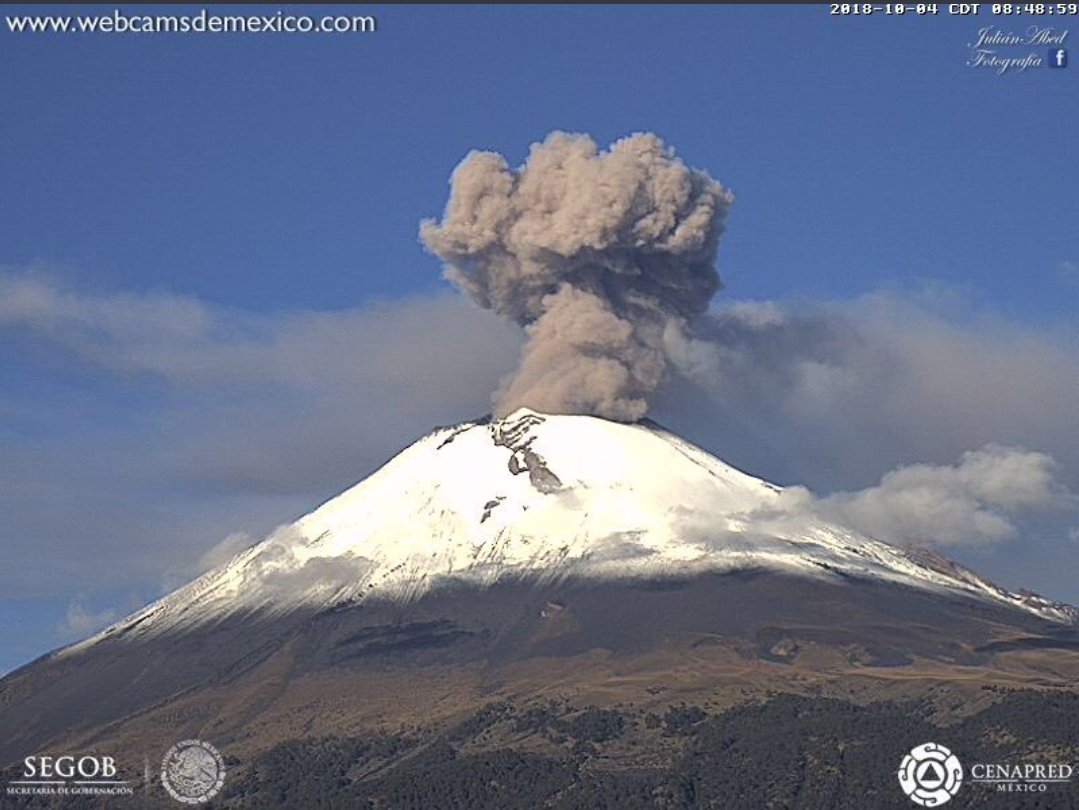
1058	58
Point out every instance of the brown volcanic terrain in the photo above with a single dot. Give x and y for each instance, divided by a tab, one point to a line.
713	642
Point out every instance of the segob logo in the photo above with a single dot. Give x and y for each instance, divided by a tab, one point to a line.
192	772
930	775
70	776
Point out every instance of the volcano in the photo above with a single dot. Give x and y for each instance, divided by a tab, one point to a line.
543	499
532	557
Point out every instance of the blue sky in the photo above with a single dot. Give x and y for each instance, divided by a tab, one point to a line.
167	202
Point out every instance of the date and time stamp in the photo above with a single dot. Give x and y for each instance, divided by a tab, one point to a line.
1021	36
1040	10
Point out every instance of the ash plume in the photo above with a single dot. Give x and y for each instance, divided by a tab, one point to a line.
598	254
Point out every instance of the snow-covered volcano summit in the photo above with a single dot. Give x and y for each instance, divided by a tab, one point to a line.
527	559
545	497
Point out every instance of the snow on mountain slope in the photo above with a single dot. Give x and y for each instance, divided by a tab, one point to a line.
537	496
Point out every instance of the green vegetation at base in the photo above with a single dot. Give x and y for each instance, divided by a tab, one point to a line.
784	752
787	752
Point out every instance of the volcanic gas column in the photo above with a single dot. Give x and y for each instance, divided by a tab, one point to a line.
596	254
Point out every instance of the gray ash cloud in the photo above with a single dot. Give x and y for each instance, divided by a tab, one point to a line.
599	255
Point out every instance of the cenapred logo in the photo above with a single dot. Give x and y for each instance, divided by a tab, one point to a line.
192	772
930	775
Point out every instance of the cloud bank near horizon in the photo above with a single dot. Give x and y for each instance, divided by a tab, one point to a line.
980	500
140	429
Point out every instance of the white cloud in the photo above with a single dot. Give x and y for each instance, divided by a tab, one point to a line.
830	394
80	622
281	403
974	501
194	343
233	544
172	422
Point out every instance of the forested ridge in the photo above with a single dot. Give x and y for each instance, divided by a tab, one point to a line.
784	752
